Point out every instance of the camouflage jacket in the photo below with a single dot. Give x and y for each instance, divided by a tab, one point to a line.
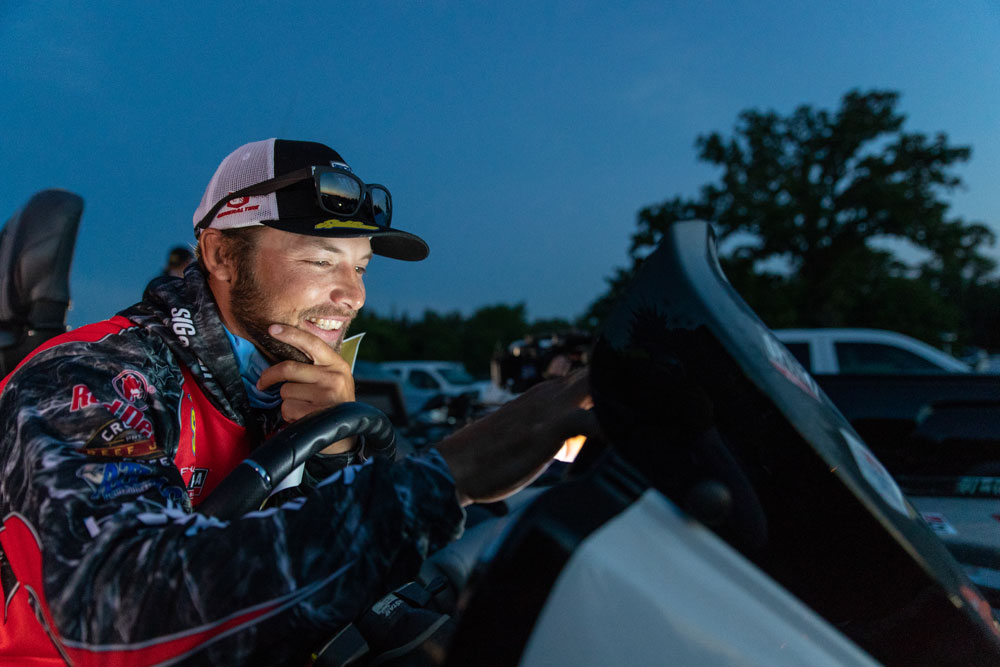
104	436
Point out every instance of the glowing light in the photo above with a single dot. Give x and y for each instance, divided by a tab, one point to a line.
571	448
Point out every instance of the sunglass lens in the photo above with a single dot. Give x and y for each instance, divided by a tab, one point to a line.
381	206
339	193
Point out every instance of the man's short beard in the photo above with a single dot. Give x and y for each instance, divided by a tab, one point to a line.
246	298
245	301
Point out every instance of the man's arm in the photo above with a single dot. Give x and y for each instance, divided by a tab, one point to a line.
127	572
507	449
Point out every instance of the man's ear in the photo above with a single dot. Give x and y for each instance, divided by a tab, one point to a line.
215	255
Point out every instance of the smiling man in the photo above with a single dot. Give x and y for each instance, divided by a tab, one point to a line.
114	433
285	258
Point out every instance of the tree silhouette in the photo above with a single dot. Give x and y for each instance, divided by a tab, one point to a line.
834	219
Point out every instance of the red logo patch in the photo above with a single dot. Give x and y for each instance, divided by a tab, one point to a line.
238	205
133	388
130	415
82	397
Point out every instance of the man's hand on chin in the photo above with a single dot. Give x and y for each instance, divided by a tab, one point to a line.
326	382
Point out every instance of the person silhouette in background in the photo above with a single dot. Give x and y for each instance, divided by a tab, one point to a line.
177	260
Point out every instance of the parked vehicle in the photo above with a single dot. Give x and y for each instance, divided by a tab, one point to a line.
381	389
883	407
939	437
423	380
836	350
933	423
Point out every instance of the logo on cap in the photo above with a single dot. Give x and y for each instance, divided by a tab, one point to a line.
238	205
344	224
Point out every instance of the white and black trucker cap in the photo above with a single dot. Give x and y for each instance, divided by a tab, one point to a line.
293	208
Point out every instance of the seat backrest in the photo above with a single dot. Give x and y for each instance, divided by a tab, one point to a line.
36	250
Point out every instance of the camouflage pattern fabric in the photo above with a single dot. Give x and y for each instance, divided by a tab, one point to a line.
130	573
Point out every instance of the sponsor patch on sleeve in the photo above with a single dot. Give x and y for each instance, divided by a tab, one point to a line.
128	434
108	481
118	440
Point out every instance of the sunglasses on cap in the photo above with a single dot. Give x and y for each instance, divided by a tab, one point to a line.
338	192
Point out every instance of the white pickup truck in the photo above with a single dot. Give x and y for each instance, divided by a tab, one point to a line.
865	351
423	380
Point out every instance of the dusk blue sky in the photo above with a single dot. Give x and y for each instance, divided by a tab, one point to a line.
518	138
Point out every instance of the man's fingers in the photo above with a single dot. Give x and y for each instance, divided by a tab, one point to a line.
316	394
309	344
294	410
288	371
307	377
325	359
307	387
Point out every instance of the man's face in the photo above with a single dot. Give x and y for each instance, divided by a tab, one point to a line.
312	283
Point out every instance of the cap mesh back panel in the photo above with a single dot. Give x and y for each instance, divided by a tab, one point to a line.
247	165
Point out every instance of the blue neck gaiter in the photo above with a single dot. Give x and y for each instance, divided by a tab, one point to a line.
252	363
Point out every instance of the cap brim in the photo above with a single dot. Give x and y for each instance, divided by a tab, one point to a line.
386	241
